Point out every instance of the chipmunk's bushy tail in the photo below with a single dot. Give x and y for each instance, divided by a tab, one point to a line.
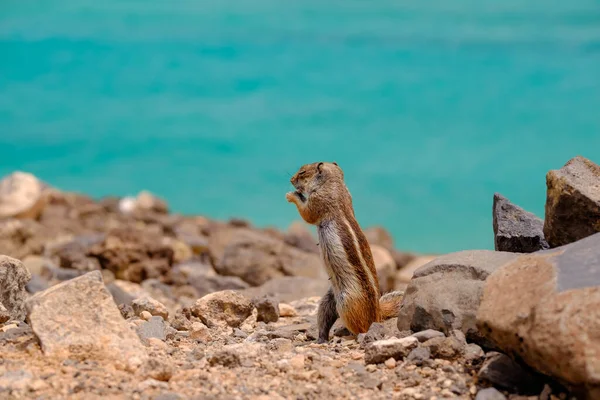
390	304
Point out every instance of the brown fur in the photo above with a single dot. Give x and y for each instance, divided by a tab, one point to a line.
322	199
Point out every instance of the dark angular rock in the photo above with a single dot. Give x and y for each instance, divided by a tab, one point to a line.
572	202
502	372
445	293
516	230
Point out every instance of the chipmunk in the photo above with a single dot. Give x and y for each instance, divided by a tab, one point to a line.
323	200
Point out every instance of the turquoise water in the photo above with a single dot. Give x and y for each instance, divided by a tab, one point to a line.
428	107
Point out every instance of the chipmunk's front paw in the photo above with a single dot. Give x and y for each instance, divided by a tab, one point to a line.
289	196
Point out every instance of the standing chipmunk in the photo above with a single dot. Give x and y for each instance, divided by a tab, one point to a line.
323	199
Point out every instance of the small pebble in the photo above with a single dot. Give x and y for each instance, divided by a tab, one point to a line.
145	315
390	363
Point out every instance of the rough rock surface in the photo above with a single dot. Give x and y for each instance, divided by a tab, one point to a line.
516	230
444	294
13	278
267	309
224	308
553	322
151	305
257	257
21	196
381	350
572	202
79	317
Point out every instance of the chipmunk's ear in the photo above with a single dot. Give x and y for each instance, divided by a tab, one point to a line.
319	165
336	164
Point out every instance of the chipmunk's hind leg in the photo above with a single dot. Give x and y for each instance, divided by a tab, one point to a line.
326	316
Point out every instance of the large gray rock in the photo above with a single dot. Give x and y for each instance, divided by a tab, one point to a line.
516	230
256	257
13	279
79	318
544	308
444	294
21	196
572	202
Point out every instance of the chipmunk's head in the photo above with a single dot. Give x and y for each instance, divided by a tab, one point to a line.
311	177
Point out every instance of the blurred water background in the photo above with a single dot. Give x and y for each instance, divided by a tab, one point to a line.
429	107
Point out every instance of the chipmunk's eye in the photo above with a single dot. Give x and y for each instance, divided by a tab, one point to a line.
301	172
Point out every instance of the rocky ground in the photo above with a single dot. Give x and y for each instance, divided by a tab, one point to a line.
119	298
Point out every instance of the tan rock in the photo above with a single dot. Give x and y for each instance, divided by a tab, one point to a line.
199	331
286	310
223	309
380	350
572	202
154	307
181	251
79	317
545	308
21	196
